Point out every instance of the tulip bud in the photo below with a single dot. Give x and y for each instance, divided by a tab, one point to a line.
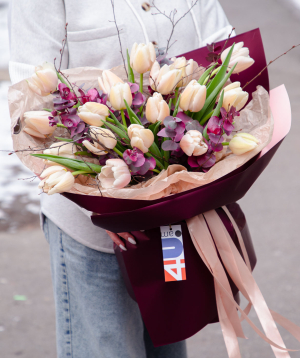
93	113
44	80
192	143
115	174
157	108
104	136
188	69
118	93
193	97
140	137
61	148
242	143
234	96
56	180
240	55
108	80
142	57
164	80
37	124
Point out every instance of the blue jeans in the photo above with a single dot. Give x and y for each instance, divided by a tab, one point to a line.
95	316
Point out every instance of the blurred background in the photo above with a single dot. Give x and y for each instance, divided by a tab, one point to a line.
27	322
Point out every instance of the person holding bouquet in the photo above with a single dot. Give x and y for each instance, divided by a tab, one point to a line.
95	317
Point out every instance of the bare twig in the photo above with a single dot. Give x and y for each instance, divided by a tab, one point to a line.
118	31
270	64
171	18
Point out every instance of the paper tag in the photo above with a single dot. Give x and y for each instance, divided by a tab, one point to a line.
173	253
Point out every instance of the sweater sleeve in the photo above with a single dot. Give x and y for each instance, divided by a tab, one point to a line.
36	31
214	23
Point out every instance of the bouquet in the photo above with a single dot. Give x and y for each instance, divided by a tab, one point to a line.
164	148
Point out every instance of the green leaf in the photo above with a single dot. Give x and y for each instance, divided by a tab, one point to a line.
134	119
205	133
73	164
170	104
176	106
211	99
219	105
208	116
120	147
206	73
115	119
64	139
117	130
84	152
155	150
220	75
68	140
155	128
130	71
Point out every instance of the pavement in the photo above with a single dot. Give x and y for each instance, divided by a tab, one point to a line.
27	323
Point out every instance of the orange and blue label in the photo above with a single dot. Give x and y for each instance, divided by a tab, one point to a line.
173	253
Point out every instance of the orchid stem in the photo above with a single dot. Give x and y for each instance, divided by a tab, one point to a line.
118	152
123	118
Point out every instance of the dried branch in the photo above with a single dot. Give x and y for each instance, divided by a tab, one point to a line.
171	18
115	21
270	64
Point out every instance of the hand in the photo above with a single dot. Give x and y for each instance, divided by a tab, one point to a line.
125	235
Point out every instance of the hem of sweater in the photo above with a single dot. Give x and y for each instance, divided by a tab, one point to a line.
77	238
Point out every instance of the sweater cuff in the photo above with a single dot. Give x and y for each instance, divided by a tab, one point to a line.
19	71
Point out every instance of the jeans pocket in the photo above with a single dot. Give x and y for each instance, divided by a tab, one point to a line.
45	226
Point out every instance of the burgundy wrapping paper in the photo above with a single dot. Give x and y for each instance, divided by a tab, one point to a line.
174	311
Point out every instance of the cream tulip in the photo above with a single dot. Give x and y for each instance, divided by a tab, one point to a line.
157	108
242	143
142	57
37	124
44	80
193	97
93	113
188	69
234	96
104	136
115	174
240	55
118	93
61	148
56	180
140	137
164	80
192	143
108	80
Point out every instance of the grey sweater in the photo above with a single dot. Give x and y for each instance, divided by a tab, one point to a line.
36	31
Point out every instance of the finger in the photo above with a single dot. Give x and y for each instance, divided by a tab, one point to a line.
128	237
115	238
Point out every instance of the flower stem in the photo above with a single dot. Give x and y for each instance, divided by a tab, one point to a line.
123	118
61	125
63	80
176	96
141	82
156	171
77	172
118	152
225	143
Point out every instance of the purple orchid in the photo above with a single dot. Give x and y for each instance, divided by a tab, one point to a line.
136	161
66	93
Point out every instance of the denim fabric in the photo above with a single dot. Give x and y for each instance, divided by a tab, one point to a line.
95	317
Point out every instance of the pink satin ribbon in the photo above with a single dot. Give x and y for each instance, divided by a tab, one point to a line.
212	241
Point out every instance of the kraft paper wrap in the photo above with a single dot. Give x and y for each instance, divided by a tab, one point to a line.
255	119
